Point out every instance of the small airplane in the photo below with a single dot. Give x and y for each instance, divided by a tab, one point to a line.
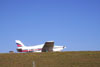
47	47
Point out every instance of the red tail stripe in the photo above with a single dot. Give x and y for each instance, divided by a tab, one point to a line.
19	45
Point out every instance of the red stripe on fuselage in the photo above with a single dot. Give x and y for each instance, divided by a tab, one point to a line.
25	51
31	50
38	49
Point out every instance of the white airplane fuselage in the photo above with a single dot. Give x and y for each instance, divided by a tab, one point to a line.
37	48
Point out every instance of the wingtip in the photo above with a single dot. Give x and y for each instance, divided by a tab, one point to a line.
50	41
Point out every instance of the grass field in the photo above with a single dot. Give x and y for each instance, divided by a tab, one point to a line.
51	59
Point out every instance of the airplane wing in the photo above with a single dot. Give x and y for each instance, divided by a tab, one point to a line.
48	46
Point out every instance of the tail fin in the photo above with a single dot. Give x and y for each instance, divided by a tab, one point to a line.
19	43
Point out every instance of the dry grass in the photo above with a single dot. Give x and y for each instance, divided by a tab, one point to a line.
51	59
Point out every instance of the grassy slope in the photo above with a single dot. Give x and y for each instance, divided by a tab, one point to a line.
52	59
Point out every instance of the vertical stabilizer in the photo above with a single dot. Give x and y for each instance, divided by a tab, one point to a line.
19	43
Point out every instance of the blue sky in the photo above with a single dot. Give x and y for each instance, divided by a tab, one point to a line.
73	23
